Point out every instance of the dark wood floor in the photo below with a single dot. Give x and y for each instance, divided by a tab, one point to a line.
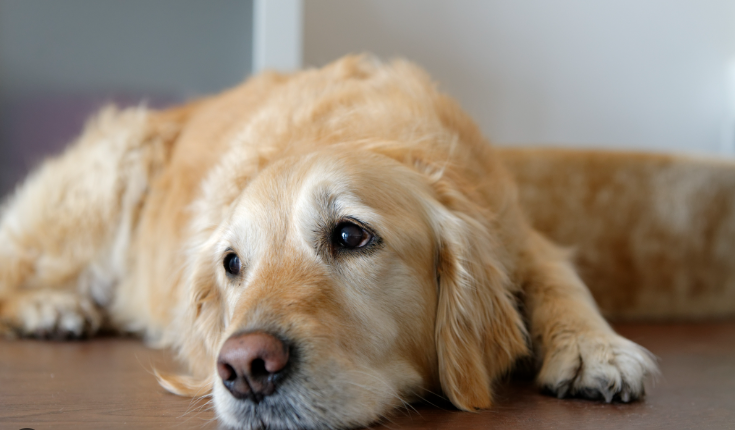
107	383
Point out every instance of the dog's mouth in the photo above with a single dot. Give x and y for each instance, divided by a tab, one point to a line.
276	411
295	404
260	385
287	391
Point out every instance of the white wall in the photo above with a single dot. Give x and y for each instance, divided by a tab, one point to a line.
646	74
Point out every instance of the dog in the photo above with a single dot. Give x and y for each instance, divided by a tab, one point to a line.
321	247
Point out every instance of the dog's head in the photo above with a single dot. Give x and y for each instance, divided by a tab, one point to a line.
332	282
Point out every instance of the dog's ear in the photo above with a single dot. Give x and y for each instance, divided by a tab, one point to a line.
203	324
201	319
479	331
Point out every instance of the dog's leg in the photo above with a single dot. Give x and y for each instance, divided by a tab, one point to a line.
580	355
63	235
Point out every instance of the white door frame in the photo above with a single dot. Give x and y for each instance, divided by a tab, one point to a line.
277	35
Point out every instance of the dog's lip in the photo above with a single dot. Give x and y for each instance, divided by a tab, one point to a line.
273	412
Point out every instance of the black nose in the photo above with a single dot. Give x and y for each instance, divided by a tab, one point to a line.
251	364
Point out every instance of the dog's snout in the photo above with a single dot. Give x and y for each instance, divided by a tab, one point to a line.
251	364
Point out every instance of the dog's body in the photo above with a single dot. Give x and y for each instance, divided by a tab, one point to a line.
653	235
351	216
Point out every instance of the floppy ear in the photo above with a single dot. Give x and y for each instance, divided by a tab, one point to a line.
479	332
203	324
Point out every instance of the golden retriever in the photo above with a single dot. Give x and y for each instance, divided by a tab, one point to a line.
323	246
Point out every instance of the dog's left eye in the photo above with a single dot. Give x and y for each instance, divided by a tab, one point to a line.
351	236
232	264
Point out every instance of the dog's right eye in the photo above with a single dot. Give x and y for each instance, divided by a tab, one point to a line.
351	236
232	264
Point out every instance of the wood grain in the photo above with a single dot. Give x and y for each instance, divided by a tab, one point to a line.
107	383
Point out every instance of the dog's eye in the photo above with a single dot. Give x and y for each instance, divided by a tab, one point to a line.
232	264
350	236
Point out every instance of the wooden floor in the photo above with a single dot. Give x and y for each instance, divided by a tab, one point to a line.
107	384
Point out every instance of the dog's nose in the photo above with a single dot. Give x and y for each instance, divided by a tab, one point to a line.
251	364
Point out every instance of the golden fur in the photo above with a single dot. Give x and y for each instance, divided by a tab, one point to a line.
653	235
130	225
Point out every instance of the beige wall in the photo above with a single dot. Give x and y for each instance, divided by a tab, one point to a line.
656	74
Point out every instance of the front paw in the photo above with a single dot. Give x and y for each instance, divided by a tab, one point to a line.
597	366
49	314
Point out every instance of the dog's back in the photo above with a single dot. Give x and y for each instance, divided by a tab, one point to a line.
653	235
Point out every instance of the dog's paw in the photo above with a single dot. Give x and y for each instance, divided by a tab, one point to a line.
597	366
49	314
